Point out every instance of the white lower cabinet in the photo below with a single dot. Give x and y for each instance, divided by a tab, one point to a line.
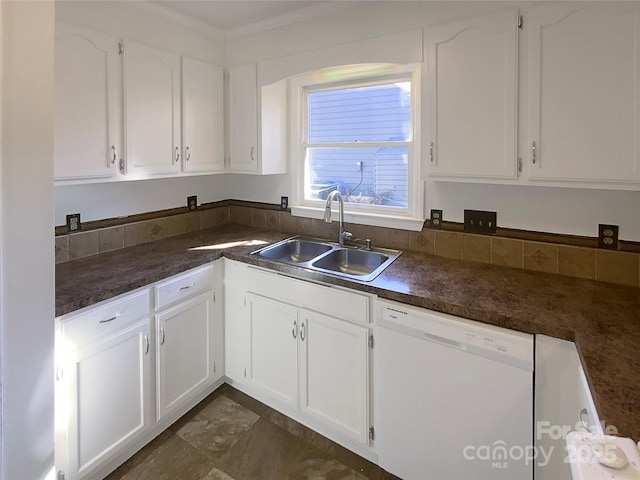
185	351
563	403
108	404
311	364
274	348
103	397
334	373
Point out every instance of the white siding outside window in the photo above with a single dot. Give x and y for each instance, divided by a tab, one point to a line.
354	130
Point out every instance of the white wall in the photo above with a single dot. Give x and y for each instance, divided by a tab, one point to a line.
27	253
106	200
572	211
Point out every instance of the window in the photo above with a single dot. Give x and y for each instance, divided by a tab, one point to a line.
356	134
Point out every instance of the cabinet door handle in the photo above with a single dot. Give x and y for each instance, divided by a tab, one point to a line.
302	330
187	287
431	152
177	154
146	344
294	330
107	320
114	154
187	154
533	152
162	336
251	153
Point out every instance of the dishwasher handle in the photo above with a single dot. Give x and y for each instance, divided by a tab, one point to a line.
444	341
418	333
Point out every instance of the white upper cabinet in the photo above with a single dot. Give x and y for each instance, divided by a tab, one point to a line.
243	119
470	104
257	123
584	87
202	116
87	104
151	110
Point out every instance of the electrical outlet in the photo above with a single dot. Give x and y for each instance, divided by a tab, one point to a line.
284	203
435	221
73	222
608	236
478	221
192	202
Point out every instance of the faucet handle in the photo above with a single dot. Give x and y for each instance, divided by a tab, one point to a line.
348	236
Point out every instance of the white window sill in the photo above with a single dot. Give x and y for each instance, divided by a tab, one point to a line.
361	218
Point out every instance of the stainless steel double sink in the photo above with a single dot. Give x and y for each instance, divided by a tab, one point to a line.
328	257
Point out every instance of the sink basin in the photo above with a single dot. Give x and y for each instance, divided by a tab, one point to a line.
330	257
351	262
295	250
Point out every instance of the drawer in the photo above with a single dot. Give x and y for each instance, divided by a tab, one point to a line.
101	321
334	301
183	285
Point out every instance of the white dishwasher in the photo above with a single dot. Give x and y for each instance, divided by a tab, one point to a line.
454	397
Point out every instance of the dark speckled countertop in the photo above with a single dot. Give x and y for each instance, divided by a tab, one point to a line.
603	319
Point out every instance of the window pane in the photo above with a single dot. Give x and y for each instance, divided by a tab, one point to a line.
373	176
379	113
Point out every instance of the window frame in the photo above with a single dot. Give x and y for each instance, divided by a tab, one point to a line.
411	217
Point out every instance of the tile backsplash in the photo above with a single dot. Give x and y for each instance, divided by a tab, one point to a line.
555	254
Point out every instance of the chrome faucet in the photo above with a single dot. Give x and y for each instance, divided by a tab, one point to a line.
342	234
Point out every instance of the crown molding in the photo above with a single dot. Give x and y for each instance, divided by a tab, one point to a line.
293	17
245	30
179	18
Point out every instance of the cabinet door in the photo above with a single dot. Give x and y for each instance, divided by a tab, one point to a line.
202	124
152	110
274	349
107	398
584	83
185	356
471	98
236	322
243	118
334	365
87	104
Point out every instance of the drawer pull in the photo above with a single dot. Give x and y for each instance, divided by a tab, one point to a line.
302	330
146	344
294	331
162	336
107	320
187	287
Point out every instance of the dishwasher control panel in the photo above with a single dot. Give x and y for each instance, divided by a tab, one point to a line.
469	335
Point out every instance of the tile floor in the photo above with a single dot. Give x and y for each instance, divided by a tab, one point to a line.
231	436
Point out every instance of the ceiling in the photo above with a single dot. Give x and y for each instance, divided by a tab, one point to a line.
232	18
